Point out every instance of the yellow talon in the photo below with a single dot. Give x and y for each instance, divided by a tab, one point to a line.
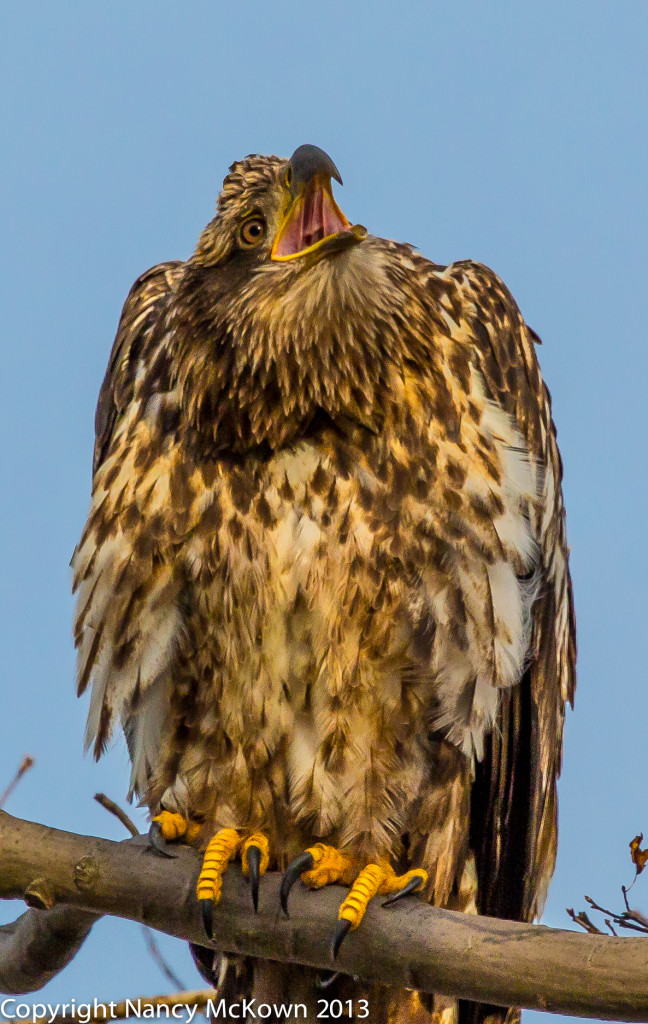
221	849
260	841
393	883
329	865
373	880
321	865
173	826
363	890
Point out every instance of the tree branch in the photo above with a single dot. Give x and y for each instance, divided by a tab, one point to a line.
411	945
39	944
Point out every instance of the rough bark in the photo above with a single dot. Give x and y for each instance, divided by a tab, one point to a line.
39	944
410	945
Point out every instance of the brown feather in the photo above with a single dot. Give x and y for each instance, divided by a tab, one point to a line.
324	582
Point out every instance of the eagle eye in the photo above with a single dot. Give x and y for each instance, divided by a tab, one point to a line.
252	231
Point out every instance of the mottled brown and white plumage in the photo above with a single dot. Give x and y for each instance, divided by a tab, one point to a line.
323	585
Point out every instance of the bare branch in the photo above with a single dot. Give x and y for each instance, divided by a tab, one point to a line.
407	946
115	809
584	921
149	938
632	920
159	958
634	915
595	906
24	766
39	944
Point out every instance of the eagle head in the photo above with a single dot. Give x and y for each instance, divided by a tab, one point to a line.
274	210
281	310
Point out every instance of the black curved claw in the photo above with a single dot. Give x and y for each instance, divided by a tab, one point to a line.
207	913
157	842
342	929
324	981
254	861
414	883
300	864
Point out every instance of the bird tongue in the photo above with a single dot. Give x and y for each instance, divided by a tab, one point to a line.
315	217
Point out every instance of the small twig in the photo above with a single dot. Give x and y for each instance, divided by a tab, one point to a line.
583	920
632	920
127	1008
631	927
24	766
628	888
149	938
595	906
638	918
631	914
115	809
158	956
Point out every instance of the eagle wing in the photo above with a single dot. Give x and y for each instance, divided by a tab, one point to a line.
119	590
514	808
140	315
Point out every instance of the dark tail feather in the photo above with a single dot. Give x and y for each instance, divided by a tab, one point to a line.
232	977
238	978
482	1013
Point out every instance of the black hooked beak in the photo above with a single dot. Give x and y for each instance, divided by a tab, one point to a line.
305	164
313	220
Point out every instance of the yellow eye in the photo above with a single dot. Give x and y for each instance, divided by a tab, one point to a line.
252	231
287	176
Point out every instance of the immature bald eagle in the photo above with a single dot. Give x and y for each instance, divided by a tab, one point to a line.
323	584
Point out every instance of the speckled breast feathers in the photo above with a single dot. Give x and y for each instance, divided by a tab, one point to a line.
326	522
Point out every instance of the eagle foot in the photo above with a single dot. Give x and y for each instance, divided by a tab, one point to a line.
322	865
169	827
373	880
317	866
228	843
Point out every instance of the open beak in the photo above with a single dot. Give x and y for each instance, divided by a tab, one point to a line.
313	217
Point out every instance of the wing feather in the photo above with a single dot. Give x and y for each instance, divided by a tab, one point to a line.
140	316
514	810
127	622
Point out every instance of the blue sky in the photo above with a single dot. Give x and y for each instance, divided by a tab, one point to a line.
509	132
